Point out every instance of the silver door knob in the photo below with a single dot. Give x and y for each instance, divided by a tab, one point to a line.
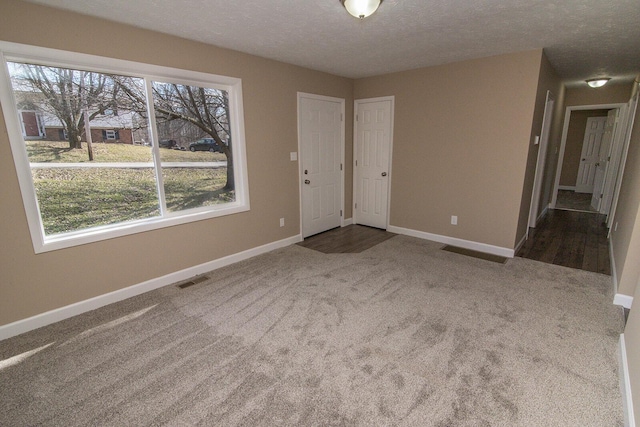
384	174
306	181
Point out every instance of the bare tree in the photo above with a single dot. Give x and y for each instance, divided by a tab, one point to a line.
204	108
67	94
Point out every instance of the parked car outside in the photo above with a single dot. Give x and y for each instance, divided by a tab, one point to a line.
167	143
205	144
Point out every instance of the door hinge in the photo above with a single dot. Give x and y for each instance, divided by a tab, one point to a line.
356	163
356	206
357	115
340	212
601	196
341	117
340	166
609	159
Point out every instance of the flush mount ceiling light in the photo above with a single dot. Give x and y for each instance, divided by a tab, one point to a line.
361	8
598	82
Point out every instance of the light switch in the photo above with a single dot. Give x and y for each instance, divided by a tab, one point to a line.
294	156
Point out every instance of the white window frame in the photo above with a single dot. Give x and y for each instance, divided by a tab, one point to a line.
42	243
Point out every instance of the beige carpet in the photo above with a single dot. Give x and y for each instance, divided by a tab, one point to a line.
403	334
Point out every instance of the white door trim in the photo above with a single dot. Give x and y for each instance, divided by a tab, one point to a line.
547	118
631	114
342	151
563	141
392	100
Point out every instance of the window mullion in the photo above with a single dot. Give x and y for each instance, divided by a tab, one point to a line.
155	146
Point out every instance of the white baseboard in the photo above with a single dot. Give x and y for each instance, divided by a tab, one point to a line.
454	241
521	242
619	299
49	317
346	222
624	300
567	187
543	213
625	385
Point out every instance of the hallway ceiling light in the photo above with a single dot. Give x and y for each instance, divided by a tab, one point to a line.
361	8
598	82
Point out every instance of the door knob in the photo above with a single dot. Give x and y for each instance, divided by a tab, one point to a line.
384	174
306	181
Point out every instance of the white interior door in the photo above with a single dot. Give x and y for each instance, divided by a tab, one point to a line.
321	140
590	154
603	159
372	161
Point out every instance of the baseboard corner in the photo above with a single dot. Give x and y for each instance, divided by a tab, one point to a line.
624	300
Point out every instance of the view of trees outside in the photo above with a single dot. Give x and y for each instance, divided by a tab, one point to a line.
112	178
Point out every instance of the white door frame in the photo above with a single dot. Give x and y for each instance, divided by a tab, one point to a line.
342	145
392	100
563	142
624	140
547	118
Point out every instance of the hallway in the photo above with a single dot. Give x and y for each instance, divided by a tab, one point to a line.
571	239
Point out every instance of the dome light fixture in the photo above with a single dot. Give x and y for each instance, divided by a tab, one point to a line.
599	82
361	8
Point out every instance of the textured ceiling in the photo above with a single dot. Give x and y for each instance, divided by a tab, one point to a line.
582	38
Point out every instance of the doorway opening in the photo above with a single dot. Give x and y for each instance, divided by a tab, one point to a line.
574	232
589	158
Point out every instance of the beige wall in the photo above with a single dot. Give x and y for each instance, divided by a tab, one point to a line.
632	341
31	284
460	144
548	80
625	242
632	344
573	146
611	93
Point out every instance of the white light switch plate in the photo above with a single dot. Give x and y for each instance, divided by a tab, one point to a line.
294	156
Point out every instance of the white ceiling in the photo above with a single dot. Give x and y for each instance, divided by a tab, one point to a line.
582	38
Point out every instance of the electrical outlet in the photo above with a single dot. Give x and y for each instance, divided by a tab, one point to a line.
281	222
454	220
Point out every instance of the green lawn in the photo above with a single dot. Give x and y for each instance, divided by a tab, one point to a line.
76	199
59	152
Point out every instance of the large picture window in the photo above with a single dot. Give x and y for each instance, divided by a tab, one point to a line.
105	148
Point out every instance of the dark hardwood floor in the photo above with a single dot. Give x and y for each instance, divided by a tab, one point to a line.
572	239
349	239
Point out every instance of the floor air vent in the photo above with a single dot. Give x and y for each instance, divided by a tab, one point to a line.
475	254
193	281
